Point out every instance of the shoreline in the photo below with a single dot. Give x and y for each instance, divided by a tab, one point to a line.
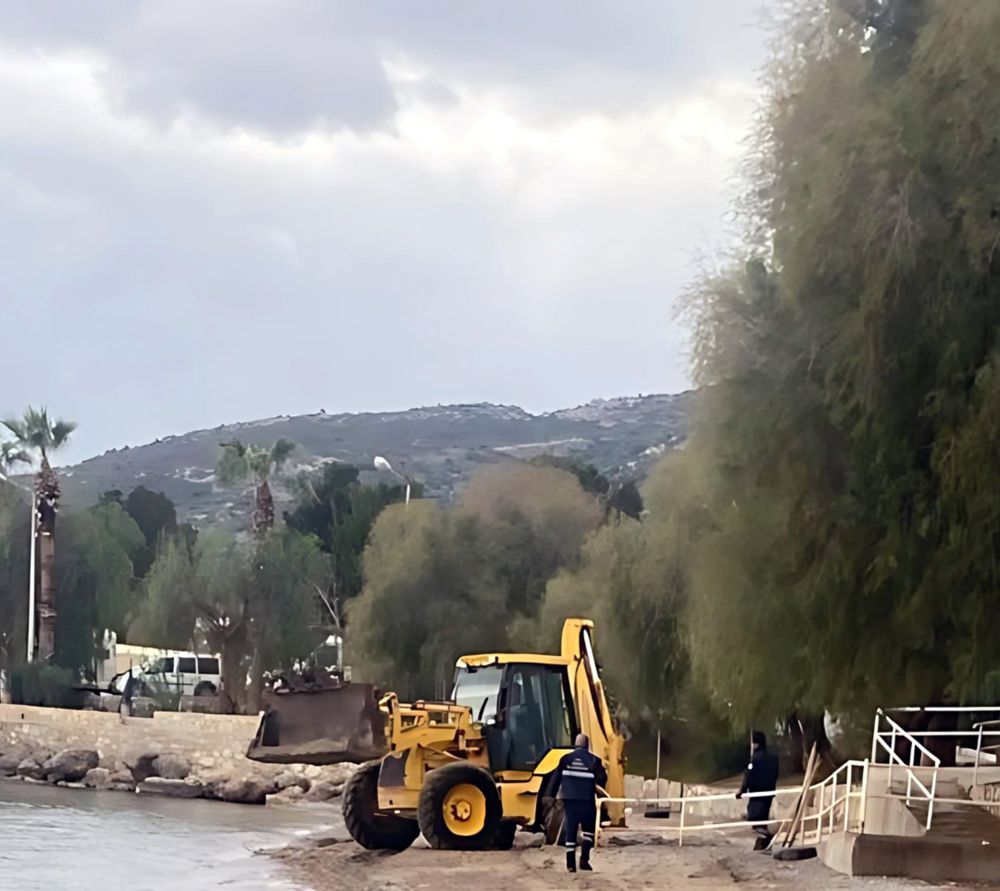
176	754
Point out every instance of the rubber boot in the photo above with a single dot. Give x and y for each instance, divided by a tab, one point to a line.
571	860
585	858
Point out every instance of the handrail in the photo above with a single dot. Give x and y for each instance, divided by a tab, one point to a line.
961	709
895	758
912	739
826	809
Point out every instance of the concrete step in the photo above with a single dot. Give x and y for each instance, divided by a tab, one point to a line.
931	859
961	823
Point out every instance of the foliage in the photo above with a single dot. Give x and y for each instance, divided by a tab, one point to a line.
257	605
14	551
241	463
846	440
12	453
590	478
441	581
633	580
532	521
290	573
428	597
38	683
156	516
339	511
94	577
35	432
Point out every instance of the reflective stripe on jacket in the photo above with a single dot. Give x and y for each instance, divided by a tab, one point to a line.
579	774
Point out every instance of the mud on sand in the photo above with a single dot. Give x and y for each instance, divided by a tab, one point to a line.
630	860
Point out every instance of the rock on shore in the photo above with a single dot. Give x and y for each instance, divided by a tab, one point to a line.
232	778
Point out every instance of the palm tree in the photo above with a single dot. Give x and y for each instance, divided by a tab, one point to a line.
240	463
11	453
37	436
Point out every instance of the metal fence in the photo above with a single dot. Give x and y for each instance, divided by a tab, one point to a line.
839	803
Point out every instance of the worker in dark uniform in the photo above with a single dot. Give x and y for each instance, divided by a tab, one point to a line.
761	775
579	774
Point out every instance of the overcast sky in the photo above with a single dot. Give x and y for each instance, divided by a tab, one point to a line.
217	211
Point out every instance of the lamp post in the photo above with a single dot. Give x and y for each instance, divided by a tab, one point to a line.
382	464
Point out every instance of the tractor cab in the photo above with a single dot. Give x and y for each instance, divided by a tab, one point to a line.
525	709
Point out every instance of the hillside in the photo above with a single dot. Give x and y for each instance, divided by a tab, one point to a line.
440	446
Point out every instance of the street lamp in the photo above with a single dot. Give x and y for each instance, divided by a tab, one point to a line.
382	464
33	536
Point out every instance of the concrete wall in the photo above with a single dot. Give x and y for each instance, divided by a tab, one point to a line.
931	860
206	740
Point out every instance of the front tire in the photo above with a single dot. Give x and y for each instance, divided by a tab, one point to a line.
459	808
368	827
553	814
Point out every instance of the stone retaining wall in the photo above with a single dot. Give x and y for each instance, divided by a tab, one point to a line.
197	737
212	747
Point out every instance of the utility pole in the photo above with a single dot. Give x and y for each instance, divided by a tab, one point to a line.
33	538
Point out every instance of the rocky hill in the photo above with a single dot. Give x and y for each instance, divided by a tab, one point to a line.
441	446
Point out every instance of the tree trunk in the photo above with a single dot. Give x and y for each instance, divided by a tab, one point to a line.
46	596
263	512
47	487
231	644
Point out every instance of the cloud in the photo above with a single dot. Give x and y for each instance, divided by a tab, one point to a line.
213	211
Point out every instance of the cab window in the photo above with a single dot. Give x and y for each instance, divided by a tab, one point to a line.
539	714
478	689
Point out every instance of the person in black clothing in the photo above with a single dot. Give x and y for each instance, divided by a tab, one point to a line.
761	775
579	774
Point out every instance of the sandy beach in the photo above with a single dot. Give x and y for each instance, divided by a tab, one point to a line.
628	860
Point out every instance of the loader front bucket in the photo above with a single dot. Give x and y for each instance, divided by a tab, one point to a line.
324	726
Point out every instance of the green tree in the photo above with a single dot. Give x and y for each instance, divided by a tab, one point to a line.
15	531
847	428
442	581
95	583
242	463
533	522
201	590
156	516
333	505
259	607
39	436
428	597
12	454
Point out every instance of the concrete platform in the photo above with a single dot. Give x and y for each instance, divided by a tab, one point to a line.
931	859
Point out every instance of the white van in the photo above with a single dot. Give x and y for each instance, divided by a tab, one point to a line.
189	674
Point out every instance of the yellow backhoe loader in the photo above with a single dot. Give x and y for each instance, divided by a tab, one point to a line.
468	773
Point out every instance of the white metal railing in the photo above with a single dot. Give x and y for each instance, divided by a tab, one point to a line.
895	734
839	802
979	731
840	806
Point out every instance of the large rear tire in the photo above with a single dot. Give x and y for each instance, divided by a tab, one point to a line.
459	808
368	827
